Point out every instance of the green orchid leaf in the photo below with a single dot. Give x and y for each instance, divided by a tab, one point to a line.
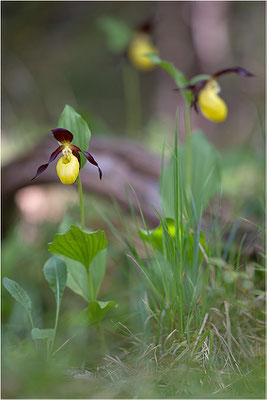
77	274
118	33
55	272
18	293
79	245
71	120
177	75
206	174
95	312
155	238
41	334
97	270
77	278
199	78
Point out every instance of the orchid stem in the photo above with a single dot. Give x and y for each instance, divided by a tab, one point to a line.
81	201
102	338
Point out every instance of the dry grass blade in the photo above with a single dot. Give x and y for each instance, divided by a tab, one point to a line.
200	331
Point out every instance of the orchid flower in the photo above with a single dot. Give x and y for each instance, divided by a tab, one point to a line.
206	95
68	166
139	47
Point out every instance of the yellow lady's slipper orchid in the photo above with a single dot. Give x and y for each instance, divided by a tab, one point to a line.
141	45
68	169
205	94
68	166
211	104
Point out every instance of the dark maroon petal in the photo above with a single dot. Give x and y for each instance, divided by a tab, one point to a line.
194	105
62	135
53	156
89	157
236	70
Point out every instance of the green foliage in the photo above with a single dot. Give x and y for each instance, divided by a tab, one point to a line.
18	293
199	78
95	312
79	245
156	238
77	278
42	334
177	75
71	120
55	272
98	269
206	175
118	33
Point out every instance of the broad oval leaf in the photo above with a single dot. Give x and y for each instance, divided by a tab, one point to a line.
18	293
77	278
97	270
41	334
71	120
79	245
95	312
55	272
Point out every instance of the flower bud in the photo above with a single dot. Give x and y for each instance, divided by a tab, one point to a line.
68	169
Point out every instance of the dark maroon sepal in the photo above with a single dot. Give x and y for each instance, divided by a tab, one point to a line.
62	135
236	70
53	156
89	157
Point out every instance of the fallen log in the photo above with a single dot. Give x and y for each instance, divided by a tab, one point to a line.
125	164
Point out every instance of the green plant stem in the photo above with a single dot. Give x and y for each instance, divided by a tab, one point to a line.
55	327
32	324
133	111
102	338
188	147
99	326
81	201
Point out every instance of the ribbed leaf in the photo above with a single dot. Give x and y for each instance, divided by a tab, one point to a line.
71	120
55	272
98	269
18	293
79	245
77	278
